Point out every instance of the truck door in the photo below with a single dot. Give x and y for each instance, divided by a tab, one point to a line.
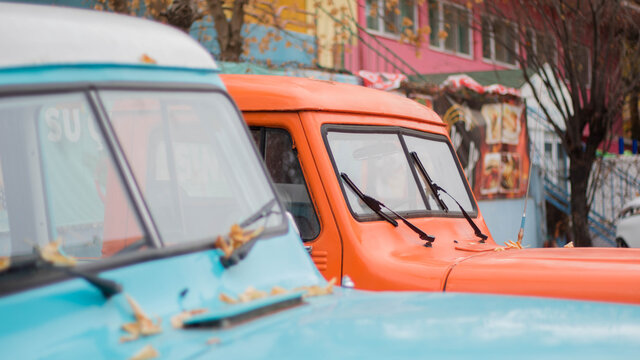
285	151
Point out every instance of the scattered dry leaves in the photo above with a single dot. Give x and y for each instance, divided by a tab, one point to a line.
178	320
251	294
51	253
143	326
147	352
5	262
509	245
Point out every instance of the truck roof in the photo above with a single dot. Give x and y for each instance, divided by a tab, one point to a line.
48	35
282	93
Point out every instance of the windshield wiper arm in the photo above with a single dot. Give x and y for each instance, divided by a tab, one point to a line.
372	203
265	210
435	189
377	206
242	252
107	287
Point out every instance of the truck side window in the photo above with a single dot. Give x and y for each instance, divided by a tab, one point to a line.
281	160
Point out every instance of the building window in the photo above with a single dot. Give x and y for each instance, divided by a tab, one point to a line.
499	41
391	17
450	27
542	46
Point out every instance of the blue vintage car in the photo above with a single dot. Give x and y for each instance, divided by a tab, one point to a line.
137	221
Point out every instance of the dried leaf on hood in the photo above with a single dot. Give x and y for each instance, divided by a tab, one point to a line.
223	245
51	253
317	290
236	238
239	236
143	326
147	352
569	244
179	319
227	299
5	262
277	290
213	341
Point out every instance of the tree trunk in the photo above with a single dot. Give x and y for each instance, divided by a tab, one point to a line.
634	115
231	49
579	169
229	31
182	14
120	6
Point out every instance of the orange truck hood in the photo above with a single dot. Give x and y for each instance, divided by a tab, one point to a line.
607	274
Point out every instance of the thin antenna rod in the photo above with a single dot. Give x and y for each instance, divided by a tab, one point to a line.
526	200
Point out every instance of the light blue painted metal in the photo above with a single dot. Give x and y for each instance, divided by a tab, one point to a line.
105	73
71	320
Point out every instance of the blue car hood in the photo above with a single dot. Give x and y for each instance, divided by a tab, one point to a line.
357	324
71	319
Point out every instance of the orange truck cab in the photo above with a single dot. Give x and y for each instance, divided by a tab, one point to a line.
376	190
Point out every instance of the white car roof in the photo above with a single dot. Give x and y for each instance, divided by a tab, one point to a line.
632	203
38	35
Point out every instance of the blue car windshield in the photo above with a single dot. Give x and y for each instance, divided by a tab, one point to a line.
188	151
193	161
58	180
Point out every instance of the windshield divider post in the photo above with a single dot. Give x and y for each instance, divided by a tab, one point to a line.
414	173
125	172
436	189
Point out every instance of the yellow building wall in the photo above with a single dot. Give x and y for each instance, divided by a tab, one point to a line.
292	14
333	19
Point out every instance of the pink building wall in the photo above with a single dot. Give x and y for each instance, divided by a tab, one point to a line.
430	61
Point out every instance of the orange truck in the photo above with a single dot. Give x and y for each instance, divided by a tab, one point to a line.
381	201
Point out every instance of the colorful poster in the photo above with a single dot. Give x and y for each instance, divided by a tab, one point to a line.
491	140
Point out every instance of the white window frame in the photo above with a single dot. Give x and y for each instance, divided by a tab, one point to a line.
381	31
492	44
440	46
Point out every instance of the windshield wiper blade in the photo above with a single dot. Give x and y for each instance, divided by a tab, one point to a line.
377	206
240	253
435	189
